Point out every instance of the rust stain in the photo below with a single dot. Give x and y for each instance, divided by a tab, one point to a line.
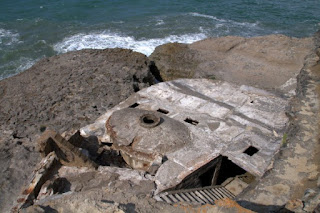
132	152
21	200
231	204
109	128
135	141
226	203
28	190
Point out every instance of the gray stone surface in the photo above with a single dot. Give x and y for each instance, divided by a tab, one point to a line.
269	62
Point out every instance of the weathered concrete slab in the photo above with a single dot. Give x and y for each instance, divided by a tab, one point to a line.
67	153
38	177
191	122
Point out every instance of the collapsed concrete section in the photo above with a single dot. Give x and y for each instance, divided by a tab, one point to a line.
195	141
195	133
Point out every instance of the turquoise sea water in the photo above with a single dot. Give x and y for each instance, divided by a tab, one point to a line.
33	29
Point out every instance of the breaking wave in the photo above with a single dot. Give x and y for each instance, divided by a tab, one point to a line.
16	66
112	40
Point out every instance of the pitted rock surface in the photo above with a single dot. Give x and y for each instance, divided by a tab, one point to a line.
61	92
269	62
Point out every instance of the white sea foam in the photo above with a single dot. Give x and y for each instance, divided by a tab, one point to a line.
205	16
111	40
8	37
160	22
26	63
16	66
224	21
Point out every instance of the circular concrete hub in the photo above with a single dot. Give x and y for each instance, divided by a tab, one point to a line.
149	120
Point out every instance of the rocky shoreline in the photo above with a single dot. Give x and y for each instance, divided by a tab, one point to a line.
71	90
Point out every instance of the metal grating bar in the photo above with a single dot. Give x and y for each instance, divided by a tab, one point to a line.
189	196
174	200
220	192
226	191
179	197
199	195
165	198
207	197
185	198
212	195
216	193
195	197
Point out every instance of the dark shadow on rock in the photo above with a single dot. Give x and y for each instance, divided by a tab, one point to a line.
108	201
91	144
48	209
263	208
60	185
135	83
128	208
155	72
111	158
39	209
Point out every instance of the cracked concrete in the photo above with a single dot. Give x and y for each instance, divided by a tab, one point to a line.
212	118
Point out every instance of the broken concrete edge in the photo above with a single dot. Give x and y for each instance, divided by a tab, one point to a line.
126	174
39	176
56	151
67	153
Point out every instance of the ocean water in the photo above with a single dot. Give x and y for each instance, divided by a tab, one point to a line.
34	29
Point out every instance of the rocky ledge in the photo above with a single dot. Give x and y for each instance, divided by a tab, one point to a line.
268	62
61	92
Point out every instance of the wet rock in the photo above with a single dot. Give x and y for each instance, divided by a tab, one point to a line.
267	62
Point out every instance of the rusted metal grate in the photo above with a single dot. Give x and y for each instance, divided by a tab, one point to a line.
205	195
